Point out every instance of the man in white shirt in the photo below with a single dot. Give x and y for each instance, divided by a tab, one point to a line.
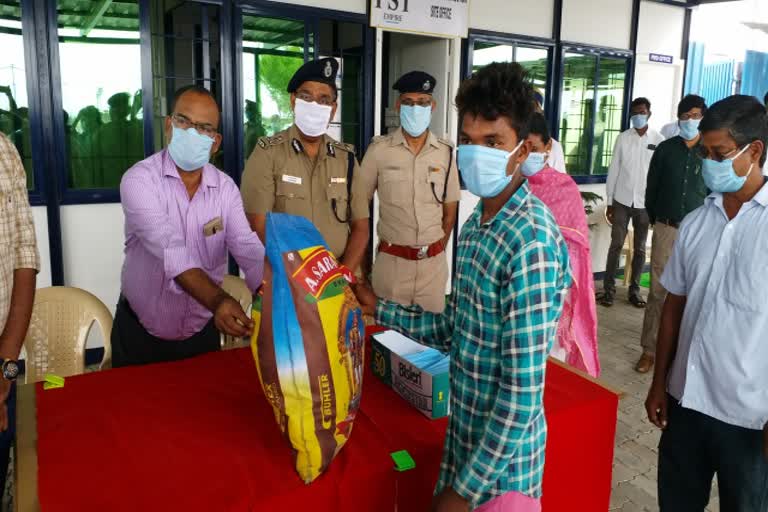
670	130
710	387
626	198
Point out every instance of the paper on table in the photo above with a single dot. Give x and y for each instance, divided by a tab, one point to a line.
399	344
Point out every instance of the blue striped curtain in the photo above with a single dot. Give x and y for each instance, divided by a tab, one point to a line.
712	81
754	78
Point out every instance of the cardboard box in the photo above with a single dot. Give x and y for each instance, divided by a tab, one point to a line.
425	390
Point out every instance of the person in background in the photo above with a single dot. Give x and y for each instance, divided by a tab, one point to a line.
675	188
576	342
501	320
19	264
556	158
710	387
84	167
303	171
418	185
182	217
254	128
670	130
625	186
120	143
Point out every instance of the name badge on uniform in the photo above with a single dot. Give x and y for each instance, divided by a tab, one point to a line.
213	226
296	180
652	147
338	180
435	169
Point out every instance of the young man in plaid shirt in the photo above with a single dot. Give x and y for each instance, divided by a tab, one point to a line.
512	273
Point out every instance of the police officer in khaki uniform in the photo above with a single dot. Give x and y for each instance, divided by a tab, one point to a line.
418	188
303	171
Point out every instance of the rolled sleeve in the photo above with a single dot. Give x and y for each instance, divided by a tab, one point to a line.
359	199
258	183
24	242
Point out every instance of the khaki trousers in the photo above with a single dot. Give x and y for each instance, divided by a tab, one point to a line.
411	282
661	249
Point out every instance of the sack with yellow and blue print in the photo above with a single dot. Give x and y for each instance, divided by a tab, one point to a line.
308	343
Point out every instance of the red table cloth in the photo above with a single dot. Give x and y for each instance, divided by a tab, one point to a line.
199	435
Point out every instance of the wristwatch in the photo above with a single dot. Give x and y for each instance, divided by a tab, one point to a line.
10	369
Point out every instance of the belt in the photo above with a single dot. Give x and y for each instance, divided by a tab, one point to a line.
412	253
669	222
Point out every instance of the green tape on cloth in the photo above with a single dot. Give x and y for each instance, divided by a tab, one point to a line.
403	460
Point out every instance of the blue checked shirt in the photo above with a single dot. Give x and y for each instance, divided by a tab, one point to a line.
499	326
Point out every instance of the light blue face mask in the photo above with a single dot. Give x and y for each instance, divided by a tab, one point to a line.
721	176
689	129
189	149
639	121
484	169
415	119
533	164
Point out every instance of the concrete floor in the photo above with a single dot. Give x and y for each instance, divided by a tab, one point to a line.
636	452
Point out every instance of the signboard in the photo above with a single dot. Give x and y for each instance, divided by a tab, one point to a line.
657	57
441	18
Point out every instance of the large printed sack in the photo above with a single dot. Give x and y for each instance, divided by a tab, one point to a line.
308	343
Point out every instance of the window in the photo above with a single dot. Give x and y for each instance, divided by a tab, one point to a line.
534	59
591	110
273	49
14	111
186	50
100	69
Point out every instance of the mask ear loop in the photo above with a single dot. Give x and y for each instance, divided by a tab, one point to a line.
738	155
519	145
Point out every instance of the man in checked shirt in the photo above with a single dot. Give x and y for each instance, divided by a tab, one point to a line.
19	262
512	273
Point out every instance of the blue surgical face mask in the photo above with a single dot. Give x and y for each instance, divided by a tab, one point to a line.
689	129
639	121
189	149
415	119
533	164
721	176
484	169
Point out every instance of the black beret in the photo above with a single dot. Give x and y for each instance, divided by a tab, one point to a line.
415	81
323	71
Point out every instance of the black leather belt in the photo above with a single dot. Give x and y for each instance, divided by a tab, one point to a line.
671	223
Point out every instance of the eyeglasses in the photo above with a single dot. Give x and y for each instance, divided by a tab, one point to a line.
420	103
181	121
326	101
703	153
688	117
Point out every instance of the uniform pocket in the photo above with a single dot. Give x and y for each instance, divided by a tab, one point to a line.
288	194
436	184
393	187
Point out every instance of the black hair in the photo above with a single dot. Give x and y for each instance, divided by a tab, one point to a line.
765	99
198	89
640	101
743	116
499	89
689	102
538	126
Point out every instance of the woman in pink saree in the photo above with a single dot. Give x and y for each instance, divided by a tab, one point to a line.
576	342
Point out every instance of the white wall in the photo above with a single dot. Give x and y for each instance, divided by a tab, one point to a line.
92	246
512	16
660	29
597	22
358	6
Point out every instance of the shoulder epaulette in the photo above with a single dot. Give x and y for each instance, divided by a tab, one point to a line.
445	141
275	140
379	138
344	146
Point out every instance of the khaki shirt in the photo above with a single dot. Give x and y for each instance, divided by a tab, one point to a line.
18	245
410	213
280	177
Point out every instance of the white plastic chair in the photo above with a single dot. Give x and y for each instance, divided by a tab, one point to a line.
61	319
236	287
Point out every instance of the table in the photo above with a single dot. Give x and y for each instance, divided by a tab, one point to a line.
198	435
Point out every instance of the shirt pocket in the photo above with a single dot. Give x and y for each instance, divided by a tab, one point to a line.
394	187
338	200
215	249
289	195
744	284
435	184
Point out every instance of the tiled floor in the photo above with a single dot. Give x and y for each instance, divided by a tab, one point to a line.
635	456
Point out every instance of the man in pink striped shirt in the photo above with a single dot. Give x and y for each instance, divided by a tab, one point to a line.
182	215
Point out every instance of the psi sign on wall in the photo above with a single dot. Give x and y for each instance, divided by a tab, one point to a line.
441	18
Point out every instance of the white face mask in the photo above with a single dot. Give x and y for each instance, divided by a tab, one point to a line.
312	118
